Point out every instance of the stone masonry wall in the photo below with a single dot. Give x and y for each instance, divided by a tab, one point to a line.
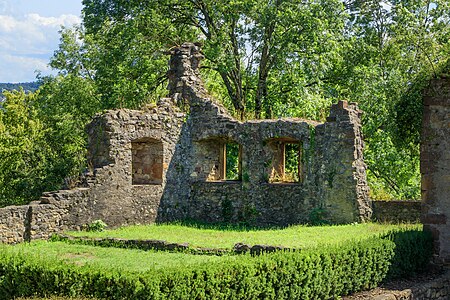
106	191
397	211
333	178
435	165
160	164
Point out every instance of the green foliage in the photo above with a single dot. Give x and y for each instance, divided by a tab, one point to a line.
26	159
251	47
96	226
392	49
413	251
232	163
42	139
291	165
322	273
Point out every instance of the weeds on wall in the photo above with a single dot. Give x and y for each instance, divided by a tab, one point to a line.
96	226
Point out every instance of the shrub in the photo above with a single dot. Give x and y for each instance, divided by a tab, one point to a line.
324	273
97	226
413	251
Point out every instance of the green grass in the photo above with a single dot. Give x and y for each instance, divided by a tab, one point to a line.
107	258
294	236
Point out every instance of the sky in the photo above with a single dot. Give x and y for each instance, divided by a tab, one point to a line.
29	35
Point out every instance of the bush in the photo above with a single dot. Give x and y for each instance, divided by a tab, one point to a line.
96	226
413	251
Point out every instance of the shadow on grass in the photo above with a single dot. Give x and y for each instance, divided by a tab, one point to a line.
242	226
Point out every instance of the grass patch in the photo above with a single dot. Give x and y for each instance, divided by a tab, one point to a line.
226	237
107	258
54	298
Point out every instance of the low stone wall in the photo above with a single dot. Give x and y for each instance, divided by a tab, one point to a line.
30	222
397	211
437	289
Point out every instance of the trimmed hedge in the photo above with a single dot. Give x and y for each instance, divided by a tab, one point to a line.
412	253
324	273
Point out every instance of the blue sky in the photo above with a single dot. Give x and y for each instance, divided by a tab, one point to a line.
29	35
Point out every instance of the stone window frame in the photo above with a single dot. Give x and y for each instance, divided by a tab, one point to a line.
217	169
278	166
155	167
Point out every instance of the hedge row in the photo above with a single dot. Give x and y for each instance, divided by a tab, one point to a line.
310	274
412	252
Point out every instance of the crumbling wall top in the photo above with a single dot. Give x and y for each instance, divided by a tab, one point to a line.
185	84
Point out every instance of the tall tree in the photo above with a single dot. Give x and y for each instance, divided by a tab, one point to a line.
244	41
394	48
24	153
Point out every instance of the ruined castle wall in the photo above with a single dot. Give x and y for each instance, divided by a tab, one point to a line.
435	165
332	168
397	211
29	222
339	164
159	165
128	190
13	224
107	191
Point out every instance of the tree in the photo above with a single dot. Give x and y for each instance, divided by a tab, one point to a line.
245	42
264	59
25	156
395	47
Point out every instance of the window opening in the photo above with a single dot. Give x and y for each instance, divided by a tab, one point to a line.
286	162
222	159
232	162
292	166
147	162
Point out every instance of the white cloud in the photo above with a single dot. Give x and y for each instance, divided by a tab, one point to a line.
7	23
20	68
55	22
27	43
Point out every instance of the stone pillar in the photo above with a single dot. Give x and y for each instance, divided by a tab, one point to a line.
435	166
339	154
184	77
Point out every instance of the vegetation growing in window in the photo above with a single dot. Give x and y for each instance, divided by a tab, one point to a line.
292	162
286	165
233	161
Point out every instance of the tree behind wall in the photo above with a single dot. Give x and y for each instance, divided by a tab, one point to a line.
263	59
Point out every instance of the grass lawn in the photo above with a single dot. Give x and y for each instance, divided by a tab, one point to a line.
131	260
294	236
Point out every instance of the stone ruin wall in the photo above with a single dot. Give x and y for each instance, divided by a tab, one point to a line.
106	191
160	164
435	165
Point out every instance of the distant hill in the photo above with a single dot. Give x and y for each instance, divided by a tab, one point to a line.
27	86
